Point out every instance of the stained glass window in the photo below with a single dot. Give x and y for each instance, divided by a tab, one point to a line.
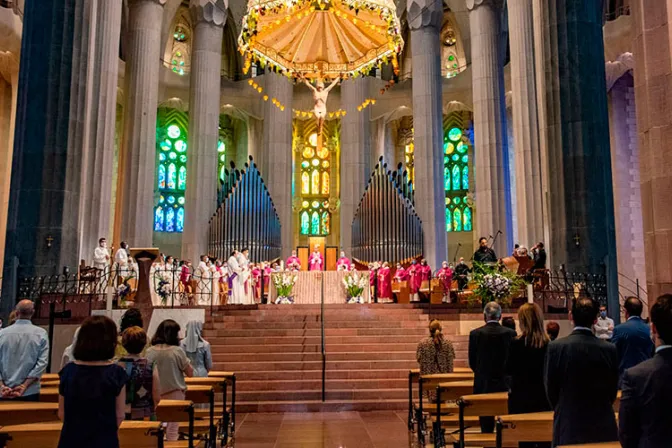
171	177
409	153
221	159
456	180
315	216
179	60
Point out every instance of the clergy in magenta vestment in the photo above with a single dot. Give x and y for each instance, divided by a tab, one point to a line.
293	262
425	273
414	278
236	291
316	261
445	275
343	263
385	282
401	274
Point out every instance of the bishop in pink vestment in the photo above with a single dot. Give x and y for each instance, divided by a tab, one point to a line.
414	278
293	262
316	260
343	263
401	274
445	275
256	277
425	273
385	281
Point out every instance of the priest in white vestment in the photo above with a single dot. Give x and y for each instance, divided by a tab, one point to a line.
246	277
236	288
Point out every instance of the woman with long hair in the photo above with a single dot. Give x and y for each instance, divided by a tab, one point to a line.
435	354
525	364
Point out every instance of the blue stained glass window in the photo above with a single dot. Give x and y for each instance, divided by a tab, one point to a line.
170	220
466	218
446	179
172	174
457	220
162	176
465	178
305	223
158	219
455	134
449	222
315	223
182	178
180	219
456	181
456	177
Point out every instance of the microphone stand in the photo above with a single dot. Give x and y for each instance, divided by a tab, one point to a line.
495	239
456	251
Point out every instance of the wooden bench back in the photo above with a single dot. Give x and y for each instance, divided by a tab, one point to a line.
431	381
216	383
132	434
50	377
20	413
174	410
220	374
533	427
199	394
453	390
49	395
485	405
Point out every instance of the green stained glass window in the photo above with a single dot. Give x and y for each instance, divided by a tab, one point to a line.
171	174
455	134
305	223
456	177
174	131
315	223
457	220
466	219
456	181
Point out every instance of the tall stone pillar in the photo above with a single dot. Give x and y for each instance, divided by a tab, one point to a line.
355	153
581	206
426	18
653	71
38	239
93	131
135	199
493	204
9	81
208	18
277	149
527	160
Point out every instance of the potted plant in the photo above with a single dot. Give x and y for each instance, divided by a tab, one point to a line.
284	285
355	283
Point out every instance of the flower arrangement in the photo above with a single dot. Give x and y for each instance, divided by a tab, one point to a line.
163	290
355	283
284	284
124	289
496	286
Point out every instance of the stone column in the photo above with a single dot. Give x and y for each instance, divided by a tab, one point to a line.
355	154
97	127
277	149
529	191
426	17
9	79
581	206
138	152
493	205
208	18
653	71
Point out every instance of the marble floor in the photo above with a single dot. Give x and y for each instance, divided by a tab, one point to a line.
376	429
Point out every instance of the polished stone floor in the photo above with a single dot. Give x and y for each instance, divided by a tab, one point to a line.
376	429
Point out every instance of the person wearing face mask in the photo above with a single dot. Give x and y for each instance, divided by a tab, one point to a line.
101	255
461	272
604	326
445	275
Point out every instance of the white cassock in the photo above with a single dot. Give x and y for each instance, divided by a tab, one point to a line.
246	277
121	259
203	284
236	288
100	257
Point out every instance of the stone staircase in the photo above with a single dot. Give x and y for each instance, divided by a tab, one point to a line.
275	351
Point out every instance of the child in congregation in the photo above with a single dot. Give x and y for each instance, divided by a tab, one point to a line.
142	387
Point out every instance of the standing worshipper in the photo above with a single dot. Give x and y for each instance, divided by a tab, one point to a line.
632	338
68	355
343	263
488	352
197	349
484	254
604	325
539	256
316	259
435	354
385	282
24	349
142	387
645	412
445	276
121	256
131	318
581	381
92	389
101	255
553	330
462	272
293	262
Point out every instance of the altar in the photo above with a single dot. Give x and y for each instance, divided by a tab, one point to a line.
308	284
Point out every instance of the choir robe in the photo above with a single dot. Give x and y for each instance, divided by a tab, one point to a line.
385	283
316	261
414	278
294	263
446	277
343	264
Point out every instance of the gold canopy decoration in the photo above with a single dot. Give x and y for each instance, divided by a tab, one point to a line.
321	38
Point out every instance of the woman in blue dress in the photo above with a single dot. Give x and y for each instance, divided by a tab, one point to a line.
92	392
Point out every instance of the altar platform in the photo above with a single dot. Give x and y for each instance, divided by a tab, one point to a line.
311	285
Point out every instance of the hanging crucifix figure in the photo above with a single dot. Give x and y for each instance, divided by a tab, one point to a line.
320	95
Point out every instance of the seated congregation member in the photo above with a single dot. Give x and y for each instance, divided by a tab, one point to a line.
435	354
488	352
131	318
645	412
92	389
553	330
24	349
632	338
525	364
197	349
68	357
142	387
173	365
581	379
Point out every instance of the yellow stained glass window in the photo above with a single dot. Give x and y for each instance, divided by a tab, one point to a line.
308	152
315	182
323	153
325	183
305	183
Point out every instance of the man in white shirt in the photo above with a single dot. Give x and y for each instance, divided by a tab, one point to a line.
604	326
101	255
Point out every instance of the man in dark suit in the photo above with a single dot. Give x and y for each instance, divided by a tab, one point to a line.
633	337
488	350
581	380
646	413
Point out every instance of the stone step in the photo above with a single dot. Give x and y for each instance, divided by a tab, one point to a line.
316	340
331	316
316	394
415	333
316	348
313	365
319	406
316	384
307	357
291	325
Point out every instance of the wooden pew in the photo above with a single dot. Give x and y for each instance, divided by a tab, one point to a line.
21	413
49	395
203	393
176	411
454	386
532	427
229	423
594	445
50	377
132	434
480	405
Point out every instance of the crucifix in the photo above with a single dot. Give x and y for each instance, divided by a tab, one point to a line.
49	239
577	239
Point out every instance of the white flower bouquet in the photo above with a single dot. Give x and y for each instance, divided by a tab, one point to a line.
496	286
163	290
284	284
355	283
